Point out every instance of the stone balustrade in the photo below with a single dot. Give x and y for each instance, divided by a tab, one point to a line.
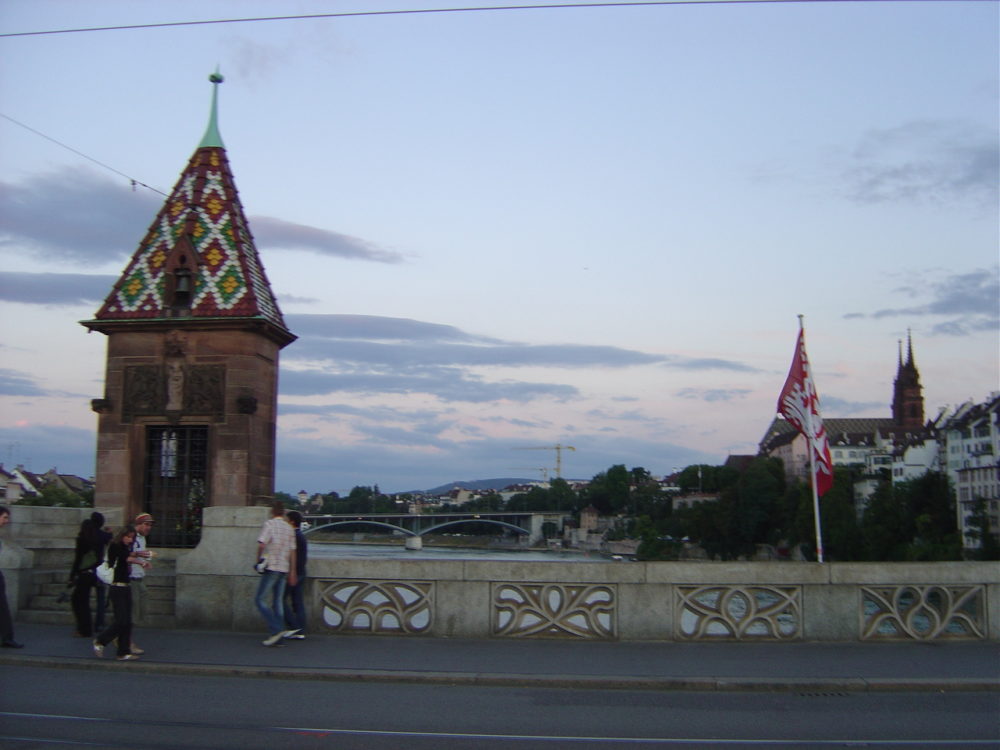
683	601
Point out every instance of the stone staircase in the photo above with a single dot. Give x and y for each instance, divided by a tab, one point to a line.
48	587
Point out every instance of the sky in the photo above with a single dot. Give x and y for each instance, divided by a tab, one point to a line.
495	232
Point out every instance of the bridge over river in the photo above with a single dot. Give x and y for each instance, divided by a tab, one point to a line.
527	523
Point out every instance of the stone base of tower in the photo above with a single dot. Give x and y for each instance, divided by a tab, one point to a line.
187	421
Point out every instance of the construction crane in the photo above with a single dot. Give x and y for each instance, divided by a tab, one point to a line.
558	448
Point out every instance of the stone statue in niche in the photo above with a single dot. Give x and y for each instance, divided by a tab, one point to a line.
175	385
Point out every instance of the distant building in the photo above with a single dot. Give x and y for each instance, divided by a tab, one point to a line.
972	447
865	443
965	443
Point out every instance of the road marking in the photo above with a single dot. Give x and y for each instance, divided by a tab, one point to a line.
329	731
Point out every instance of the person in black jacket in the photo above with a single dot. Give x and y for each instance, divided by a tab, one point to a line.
119	558
88	555
295	604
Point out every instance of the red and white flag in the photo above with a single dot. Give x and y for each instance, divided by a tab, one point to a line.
799	404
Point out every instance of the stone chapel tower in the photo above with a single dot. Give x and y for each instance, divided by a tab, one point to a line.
907	399
193	337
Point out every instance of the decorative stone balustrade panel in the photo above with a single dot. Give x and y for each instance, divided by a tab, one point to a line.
923	612
387	607
739	612
554	610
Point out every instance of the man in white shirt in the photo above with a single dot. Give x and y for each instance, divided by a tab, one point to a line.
276	546
137	573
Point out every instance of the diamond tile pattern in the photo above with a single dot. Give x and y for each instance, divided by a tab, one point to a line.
229	280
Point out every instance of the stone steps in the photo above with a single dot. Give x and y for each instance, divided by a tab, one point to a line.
49	586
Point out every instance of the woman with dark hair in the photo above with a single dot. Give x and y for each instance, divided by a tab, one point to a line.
88	555
119	559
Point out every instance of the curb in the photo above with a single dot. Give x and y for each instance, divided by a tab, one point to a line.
483	679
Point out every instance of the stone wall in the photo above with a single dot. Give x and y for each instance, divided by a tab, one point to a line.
684	601
607	601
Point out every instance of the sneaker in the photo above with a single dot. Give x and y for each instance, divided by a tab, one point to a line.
272	639
290	633
136	650
128	657
295	637
98	649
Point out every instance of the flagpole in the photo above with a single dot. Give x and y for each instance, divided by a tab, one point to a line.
810	446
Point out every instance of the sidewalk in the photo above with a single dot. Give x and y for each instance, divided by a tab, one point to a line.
803	667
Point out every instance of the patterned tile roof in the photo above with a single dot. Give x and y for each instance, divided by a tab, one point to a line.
201	226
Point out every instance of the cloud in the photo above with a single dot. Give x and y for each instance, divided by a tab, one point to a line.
76	214
402	342
926	161
707	363
277	234
969	299
713	394
410	464
55	289
447	383
377	327
43	446
14	383
833	406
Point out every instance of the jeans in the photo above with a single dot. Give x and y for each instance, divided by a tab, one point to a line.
272	587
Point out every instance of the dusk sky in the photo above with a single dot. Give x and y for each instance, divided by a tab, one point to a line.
496	230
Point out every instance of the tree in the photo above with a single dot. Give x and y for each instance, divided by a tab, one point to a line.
912	520
989	545
57	497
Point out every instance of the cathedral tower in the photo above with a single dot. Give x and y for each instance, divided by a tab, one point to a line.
193	338
907	399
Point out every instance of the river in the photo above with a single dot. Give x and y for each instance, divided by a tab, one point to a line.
333	550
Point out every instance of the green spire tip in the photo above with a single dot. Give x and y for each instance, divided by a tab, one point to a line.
212	138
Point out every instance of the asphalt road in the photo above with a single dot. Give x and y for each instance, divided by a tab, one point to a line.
98	708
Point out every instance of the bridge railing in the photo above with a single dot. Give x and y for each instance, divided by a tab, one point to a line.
683	601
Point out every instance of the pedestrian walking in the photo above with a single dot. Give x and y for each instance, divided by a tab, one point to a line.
295	604
119	558
137	574
87	555
276	558
6	621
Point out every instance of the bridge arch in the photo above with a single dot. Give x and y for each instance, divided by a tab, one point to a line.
439	526
353	521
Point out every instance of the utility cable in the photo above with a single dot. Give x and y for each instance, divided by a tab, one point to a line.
39	133
419	11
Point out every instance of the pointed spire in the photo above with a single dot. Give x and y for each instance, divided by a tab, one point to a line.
198	259
212	138
909	348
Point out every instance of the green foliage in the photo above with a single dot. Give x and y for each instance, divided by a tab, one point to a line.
989	545
58	497
912	520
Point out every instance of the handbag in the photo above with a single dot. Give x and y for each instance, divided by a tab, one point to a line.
105	573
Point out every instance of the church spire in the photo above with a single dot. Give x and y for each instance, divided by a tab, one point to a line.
907	399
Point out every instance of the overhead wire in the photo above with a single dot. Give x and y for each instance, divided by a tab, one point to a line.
135	183
418	11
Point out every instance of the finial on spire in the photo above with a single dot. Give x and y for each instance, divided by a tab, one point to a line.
212	138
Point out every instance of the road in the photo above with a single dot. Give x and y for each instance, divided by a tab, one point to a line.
52	708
